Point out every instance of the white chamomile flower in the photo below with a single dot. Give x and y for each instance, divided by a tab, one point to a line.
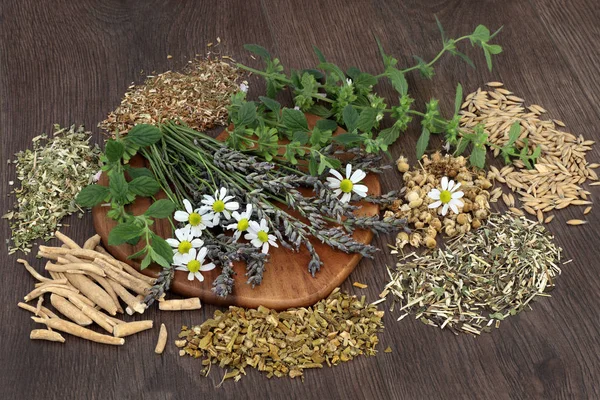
258	235
219	204
184	243
193	263
197	220
448	196
243	221
347	185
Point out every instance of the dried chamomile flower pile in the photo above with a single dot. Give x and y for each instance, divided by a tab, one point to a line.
479	278
432	203
198	96
555	181
52	173
285	343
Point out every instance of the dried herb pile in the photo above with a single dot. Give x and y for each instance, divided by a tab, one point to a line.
198	96
52	173
285	343
480	278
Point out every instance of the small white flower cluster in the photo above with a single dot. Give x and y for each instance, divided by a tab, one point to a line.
188	251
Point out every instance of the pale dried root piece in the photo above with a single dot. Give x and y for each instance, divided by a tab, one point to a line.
192	303
106	285
86	267
140	299
93	292
60	281
79	331
136	274
48	256
63	290
44	312
92	242
39	305
162	340
127	297
114	321
98	317
130	328
45	334
126	280
32	271
70	311
80	253
70	243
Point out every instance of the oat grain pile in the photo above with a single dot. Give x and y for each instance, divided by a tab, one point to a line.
198	96
285	343
560	171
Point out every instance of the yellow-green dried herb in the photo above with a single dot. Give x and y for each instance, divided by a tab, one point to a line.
285	343
52	173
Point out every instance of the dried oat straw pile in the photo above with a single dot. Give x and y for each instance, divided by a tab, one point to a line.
285	343
556	182
414	202
198	96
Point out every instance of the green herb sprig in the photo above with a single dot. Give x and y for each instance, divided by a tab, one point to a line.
120	192
348	98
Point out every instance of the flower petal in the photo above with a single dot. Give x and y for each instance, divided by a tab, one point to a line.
348	171
346	197
173	242
181	268
197	243
208	267
197	230
265	248
434	194
253	227
456	186
207	199
457	195
199	276
227	198
358	176
249	236
450	185
337	192
180	234
223	193
202	254
256	242
435	204
231	226
232	205
181	216
191	255
445	208
445	183
191	276
360	190
336	174
188	206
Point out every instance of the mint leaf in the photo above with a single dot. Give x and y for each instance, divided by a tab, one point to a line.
146	261
294	120
123	233
320	111
389	135
462	146
114	150
258	50
334	69
439	25
246	114
350	117
313	165
161	248
347	139
144	186
143	135
513	133
366	120
271	104
162	208
91	195
477	157
300	137
422	143
138	172
458	98
118	188
388	61
327	125
480	35
319	54
397	80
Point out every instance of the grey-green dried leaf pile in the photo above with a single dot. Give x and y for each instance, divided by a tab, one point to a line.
198	96
52	173
480	278
285	343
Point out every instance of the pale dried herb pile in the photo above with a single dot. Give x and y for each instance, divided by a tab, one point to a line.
285	343
480	278
51	175
198	96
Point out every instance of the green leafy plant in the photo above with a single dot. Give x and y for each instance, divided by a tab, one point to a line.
120	192
348	98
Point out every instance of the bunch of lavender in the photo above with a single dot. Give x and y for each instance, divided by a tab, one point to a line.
214	182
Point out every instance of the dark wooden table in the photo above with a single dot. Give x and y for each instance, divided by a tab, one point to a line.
71	61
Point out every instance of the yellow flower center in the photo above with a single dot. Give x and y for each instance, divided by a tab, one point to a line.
346	185
242	224
195	219
184	247
194	266
263	236
218	206
445	196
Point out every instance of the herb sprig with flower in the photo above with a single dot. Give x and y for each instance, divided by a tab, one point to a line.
349	99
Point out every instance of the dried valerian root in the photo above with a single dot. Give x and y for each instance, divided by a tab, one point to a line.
414	204
285	343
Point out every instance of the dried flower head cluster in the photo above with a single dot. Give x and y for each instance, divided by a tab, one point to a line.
285	343
560	170
480	278
198	96
420	192
51	175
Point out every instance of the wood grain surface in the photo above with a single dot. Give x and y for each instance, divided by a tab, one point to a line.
286	282
71	61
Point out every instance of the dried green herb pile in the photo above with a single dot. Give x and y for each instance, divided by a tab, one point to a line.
198	96
285	343
51	175
480	277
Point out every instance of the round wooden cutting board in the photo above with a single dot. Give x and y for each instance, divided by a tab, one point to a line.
286	281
